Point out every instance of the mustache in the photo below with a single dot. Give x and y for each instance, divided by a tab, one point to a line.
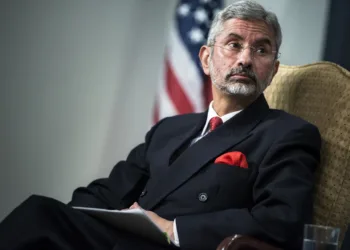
246	71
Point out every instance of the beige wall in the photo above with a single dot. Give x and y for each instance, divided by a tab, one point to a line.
78	80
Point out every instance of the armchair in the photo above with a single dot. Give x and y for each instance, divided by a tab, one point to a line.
320	94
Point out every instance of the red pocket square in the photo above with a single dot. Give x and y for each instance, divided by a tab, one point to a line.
233	158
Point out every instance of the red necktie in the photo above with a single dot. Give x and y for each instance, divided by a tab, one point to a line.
214	123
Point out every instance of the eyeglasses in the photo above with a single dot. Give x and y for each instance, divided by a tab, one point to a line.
261	53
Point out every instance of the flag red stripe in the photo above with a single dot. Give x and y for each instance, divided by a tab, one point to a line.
156	112
177	95
208	95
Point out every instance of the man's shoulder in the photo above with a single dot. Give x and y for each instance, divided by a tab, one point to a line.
183	118
288	117
178	124
285	120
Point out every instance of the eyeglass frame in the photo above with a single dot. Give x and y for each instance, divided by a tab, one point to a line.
253	50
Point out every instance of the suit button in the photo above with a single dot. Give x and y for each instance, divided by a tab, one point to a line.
143	193
203	197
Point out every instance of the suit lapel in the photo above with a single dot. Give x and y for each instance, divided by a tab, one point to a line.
181	142
178	144
198	155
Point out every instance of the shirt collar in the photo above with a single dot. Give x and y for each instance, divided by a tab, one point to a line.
212	113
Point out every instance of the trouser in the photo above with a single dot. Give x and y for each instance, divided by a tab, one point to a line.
42	223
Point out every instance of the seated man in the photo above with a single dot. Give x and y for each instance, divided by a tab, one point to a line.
238	168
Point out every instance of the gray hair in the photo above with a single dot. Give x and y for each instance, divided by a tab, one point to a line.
246	10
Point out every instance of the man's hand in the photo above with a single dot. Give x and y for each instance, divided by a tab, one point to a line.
165	225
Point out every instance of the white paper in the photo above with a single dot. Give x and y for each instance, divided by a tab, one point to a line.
135	221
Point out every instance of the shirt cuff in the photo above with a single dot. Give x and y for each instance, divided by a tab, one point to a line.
176	236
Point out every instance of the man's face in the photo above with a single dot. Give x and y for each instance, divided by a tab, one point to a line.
242	60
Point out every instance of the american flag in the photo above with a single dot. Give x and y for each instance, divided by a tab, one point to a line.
183	86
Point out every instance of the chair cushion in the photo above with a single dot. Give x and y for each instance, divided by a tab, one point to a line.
320	94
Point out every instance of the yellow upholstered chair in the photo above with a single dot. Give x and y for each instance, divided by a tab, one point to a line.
320	94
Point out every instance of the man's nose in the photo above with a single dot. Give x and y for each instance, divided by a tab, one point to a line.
245	57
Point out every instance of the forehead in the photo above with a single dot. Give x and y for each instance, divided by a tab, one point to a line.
247	29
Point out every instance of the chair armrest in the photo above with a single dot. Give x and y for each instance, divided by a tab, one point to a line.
243	242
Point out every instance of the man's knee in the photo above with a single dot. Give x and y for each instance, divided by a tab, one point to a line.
37	204
28	214
38	200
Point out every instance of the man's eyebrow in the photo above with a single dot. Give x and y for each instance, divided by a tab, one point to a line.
263	40
235	35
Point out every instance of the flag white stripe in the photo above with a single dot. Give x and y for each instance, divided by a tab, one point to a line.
185	70
164	103
166	107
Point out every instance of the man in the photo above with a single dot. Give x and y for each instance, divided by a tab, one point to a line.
238	168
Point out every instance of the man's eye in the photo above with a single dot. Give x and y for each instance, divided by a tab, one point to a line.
234	45
261	51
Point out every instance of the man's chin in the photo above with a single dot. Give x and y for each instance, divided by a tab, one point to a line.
241	94
241	89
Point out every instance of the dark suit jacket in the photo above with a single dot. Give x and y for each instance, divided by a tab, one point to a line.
346	241
270	200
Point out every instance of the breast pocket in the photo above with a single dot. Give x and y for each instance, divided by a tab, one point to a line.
234	186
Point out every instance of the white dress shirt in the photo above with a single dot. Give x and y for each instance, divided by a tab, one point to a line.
205	131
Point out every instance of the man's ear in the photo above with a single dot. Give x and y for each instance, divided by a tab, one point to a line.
277	65
204	57
275	70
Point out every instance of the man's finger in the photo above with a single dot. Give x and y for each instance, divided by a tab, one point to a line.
135	205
